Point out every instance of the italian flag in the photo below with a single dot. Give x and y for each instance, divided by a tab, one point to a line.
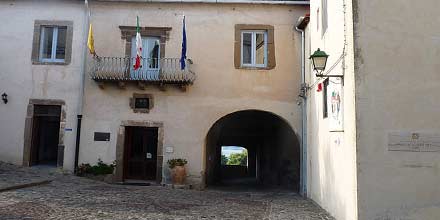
137	63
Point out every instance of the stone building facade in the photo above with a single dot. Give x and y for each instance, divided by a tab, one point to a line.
362	144
214	84
239	87
42	86
374	150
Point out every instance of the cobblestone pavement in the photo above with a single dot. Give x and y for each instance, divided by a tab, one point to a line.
11	175
70	197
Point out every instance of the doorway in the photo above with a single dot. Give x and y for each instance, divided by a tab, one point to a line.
140	153
271	155
45	135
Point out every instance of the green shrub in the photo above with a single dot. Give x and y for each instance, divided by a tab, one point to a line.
100	168
176	162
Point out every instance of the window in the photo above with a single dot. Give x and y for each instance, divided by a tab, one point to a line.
157	36
317	19
141	103
324	16
254	49
150	51
150	58
52	43
324	99
254	46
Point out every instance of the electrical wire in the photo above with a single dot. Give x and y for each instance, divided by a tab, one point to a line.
341	58
328	71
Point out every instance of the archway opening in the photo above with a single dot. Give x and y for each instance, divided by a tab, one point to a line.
234	163
252	148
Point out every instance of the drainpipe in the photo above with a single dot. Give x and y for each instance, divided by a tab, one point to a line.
300	28
81	90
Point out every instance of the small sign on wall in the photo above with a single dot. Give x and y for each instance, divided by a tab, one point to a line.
101	136
336	105
414	141
169	149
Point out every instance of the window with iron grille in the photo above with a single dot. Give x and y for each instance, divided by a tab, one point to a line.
141	103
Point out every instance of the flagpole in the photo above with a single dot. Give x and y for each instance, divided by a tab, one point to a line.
138	61
184	45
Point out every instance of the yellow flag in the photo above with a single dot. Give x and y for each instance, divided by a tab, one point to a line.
90	41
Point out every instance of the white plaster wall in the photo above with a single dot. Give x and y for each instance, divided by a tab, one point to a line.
219	89
397	84
22	81
332	155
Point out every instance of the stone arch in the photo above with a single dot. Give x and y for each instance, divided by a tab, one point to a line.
273	149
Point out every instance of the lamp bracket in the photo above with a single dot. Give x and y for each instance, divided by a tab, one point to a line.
322	75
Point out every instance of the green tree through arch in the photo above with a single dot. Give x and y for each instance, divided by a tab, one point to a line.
238	158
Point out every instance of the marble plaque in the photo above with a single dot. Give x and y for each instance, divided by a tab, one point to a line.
414	141
169	149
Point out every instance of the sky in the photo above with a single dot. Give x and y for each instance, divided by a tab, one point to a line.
228	150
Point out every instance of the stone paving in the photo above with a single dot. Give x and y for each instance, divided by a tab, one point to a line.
11	175
70	197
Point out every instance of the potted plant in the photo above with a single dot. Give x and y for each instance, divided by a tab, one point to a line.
178	171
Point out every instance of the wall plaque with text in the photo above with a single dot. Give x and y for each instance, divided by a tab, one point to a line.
101	136
414	141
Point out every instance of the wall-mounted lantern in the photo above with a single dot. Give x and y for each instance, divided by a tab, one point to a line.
319	61
5	98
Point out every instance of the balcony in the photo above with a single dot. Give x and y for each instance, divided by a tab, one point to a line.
162	71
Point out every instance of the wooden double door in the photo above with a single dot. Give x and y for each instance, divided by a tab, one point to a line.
140	153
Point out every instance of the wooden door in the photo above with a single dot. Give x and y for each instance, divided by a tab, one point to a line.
140	153
45	135
35	140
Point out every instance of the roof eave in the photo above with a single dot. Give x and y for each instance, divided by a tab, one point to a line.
303	22
268	2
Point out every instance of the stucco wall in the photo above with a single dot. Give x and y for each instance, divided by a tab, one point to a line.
331	153
22	81
397	82
219	88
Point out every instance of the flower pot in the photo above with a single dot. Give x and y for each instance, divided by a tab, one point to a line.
178	175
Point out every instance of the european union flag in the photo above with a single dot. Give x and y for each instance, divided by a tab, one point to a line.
183	56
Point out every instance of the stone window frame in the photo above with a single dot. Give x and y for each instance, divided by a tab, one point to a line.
36	41
239	28
128	32
28	129
141	95
120	145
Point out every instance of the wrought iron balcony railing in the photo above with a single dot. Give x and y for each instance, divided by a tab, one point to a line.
162	70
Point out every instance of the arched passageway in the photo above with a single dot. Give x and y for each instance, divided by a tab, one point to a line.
272	148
